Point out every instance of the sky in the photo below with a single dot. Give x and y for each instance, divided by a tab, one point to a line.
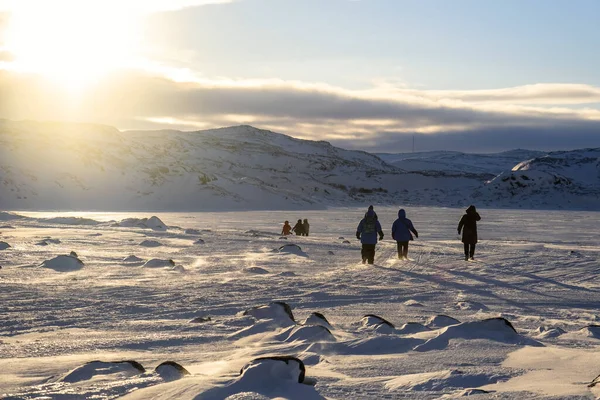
467	75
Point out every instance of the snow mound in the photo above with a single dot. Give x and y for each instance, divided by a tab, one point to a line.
549	332
4	245
412	327
72	221
255	270
331	253
267	378
287	273
132	259
380	344
292	249
376	323
317	318
496	329
151	243
276	310
6	216
592	331
63	263
200	320
346	242
153	223
48	241
171	371
199	241
471	306
306	333
92	369
442	380
158	263
441	321
7	227
178	268
412	303
192	231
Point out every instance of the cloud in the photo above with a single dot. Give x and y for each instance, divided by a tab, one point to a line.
124	5
378	119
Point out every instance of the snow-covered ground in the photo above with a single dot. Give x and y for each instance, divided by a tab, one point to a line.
81	293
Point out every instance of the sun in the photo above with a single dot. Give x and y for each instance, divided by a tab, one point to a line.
71	42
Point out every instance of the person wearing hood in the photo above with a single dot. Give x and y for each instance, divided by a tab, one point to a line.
401	233
287	228
298	228
468	225
371	209
306	227
367	231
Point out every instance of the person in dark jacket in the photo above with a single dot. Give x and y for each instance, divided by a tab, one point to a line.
367	232
401	233
371	209
468	225
298	228
306	227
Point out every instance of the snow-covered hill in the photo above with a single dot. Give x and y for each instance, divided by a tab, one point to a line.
563	179
454	162
47	166
66	166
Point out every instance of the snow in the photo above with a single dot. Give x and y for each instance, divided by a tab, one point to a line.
239	320
245	168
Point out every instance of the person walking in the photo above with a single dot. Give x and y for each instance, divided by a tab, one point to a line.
468	225
305	227
287	228
367	231
401	233
298	228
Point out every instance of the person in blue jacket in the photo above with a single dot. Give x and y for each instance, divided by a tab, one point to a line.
401	233
367	231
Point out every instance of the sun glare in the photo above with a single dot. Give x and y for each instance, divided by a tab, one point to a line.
73	43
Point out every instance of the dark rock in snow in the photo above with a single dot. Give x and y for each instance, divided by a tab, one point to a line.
346	241
4	246
256	270
331	253
306	333
132	259
283	238
595	382
592	331
73	254
199	241
170	371
549	332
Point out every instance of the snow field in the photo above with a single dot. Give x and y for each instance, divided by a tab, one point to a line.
519	322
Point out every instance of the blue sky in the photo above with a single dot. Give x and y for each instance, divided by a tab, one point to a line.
462	75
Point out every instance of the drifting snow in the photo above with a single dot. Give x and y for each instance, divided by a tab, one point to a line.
159	263
441	321
170	371
151	243
497	329
132	259
93	369
153	223
63	264
292	249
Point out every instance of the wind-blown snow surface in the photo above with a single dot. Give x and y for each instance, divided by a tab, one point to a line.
102	329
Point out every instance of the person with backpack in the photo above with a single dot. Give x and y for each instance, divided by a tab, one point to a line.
367	231
468	225
298	228
401	233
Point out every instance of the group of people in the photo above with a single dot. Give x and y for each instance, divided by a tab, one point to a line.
369	230
300	229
